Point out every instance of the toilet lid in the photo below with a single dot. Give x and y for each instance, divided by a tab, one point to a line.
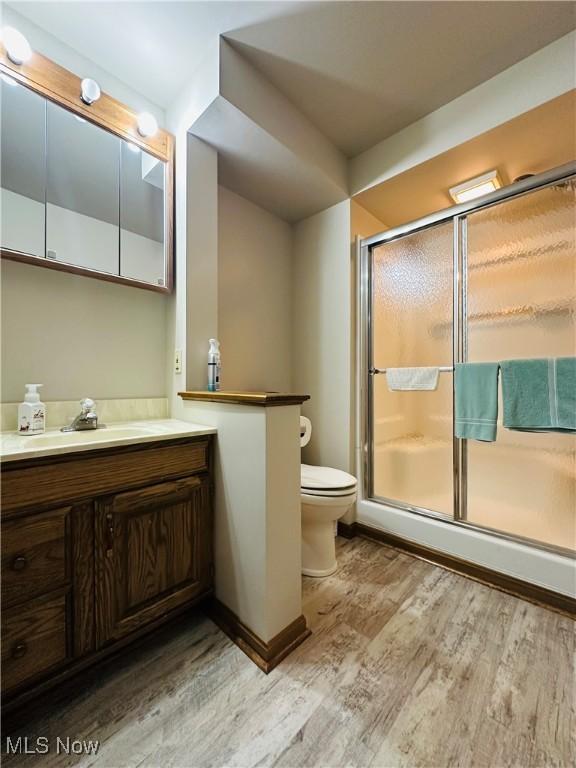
325	478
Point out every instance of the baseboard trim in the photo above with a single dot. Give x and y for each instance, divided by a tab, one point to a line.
346	530
266	655
533	593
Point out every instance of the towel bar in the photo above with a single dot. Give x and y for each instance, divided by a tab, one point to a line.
442	369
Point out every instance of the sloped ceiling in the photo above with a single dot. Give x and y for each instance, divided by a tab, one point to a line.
538	140
362	71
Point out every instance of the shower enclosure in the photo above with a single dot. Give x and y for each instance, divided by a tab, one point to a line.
488	280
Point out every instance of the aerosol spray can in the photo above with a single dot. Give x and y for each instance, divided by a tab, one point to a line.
214	366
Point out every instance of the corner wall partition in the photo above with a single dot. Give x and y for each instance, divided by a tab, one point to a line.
488	280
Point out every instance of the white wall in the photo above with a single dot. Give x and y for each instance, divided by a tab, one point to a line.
80	336
71	59
322	345
254	295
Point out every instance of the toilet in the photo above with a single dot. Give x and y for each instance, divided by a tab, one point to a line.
326	495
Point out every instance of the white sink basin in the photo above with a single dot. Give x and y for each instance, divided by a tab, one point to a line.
89	436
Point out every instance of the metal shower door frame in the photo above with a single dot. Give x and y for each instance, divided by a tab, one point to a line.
367	371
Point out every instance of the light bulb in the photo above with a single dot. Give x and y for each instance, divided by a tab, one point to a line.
89	91
17	47
147	124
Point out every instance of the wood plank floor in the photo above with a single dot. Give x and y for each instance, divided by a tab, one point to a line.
408	665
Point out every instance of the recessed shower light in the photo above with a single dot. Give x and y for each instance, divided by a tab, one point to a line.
147	124
17	47
476	187
89	91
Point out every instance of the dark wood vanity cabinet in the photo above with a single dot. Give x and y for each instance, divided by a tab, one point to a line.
97	548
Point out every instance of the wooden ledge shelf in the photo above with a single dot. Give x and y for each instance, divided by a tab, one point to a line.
264	399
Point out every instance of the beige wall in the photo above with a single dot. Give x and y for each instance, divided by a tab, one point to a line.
257	522
254	295
80	336
198	291
364	223
322	358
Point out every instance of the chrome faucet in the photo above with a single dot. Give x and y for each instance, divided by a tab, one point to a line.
86	419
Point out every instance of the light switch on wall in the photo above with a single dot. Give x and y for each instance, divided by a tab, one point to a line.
178	361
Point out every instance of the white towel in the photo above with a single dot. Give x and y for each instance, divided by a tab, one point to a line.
412	378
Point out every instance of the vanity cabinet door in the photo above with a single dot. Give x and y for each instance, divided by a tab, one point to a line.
153	553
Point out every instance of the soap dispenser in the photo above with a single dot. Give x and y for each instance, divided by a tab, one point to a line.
32	412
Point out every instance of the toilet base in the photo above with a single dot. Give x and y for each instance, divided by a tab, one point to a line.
320	574
319	516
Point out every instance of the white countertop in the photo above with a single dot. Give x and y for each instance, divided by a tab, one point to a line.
14	446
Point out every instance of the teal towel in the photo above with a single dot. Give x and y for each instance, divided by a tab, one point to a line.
476	400
540	395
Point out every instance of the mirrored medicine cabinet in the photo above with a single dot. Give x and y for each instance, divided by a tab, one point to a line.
78	196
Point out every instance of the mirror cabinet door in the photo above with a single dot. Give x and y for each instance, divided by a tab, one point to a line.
22	168
82	192
74	193
142	186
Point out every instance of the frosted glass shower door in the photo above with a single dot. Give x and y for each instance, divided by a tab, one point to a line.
411	323
521	304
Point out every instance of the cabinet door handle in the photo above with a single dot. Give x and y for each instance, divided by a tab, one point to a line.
109	535
19	563
19	649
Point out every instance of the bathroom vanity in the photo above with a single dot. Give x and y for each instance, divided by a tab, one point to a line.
102	541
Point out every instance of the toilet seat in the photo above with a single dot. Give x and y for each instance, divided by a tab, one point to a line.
325	481
322	500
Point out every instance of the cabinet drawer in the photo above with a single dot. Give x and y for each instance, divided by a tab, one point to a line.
33	640
34	557
97	473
